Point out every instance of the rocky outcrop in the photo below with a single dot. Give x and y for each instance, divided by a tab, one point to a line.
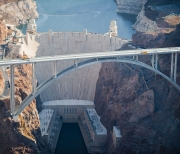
144	24
143	104
3	31
18	12
155	21
22	136
158	40
129	6
1	83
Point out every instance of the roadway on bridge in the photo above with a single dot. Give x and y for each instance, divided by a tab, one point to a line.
92	55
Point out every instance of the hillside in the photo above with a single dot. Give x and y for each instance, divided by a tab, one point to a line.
143	104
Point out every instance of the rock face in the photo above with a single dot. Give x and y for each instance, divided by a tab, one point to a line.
144	24
18	12
158	40
1	83
144	105
3	31
129	6
156	21
23	136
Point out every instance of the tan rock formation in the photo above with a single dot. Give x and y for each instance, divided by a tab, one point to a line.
1	83
3	31
18	12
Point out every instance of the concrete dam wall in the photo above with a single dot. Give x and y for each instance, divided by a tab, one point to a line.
80	84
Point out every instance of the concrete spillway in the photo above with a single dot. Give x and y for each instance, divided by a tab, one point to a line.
80	84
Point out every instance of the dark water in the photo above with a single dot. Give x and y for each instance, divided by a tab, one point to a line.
70	140
77	15
22	28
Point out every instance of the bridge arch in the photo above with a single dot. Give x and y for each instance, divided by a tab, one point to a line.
82	64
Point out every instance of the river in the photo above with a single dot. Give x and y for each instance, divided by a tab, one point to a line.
77	15
70	140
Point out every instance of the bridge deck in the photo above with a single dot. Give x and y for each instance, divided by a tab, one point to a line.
92	55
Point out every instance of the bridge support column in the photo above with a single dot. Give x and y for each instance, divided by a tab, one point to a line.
12	102
55	69
76	62
137	57
152	61
172	65
175	66
156	64
33	78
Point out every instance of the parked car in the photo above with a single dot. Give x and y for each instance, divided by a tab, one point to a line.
7	84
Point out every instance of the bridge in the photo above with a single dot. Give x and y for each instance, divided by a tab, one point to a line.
84	59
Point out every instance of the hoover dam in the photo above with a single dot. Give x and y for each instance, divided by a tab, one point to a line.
80	84
121	95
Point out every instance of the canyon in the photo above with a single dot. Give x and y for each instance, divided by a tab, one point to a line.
147	108
141	103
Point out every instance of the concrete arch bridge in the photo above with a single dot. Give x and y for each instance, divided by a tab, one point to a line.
84	59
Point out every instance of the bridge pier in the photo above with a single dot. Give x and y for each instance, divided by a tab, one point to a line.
175	66
76	62
172	65
152	61
12	102
55	69
137	57
156	64
33	79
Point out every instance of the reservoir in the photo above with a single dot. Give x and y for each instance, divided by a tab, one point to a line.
77	15
70	140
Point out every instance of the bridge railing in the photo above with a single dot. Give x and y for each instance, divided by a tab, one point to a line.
127	56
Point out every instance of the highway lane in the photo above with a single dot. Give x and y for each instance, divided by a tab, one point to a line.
92	55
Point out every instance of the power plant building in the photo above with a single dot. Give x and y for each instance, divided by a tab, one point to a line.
82	112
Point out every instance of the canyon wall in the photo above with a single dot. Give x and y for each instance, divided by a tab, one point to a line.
23	136
129	6
18	12
3	31
143	104
79	84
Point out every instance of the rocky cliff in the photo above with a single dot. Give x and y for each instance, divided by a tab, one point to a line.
3	31
129	6
18	12
22	136
1	83
154	20
143	104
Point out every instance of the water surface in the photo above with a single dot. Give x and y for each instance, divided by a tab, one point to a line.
70	140
77	15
